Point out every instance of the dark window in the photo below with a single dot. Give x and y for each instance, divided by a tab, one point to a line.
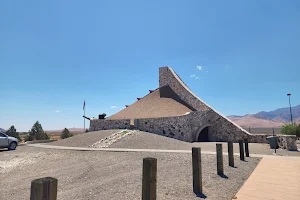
2	135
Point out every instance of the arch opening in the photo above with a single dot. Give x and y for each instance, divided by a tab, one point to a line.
203	135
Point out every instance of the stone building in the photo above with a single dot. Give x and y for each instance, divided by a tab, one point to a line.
173	110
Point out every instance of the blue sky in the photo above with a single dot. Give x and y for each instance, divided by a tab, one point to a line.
55	54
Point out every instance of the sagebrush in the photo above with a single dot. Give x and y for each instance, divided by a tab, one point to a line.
291	129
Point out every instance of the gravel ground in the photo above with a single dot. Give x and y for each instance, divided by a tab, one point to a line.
144	140
84	139
115	175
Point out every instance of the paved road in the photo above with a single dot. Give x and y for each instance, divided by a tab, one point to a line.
147	150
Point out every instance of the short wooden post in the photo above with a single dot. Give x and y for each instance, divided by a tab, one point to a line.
242	156
230	154
197	170
246	147
44	188
149	179
220	159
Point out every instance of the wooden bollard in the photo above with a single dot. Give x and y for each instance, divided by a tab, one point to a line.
149	179
220	169
242	156
230	154
246	147
197	170
44	188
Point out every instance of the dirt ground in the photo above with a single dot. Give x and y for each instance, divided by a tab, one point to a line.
95	175
144	140
84	139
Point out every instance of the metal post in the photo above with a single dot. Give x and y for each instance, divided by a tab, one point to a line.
274	135
289	95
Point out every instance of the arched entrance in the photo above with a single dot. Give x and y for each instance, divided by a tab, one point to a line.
203	134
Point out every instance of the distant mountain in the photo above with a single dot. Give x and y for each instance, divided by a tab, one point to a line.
280	115
253	122
271	119
72	130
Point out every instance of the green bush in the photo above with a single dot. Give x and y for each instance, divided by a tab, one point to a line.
65	134
28	138
37	133
13	133
290	129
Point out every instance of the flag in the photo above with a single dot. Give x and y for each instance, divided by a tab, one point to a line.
83	104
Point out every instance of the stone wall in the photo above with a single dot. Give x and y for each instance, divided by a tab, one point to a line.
185	127
175	127
287	142
221	128
103	124
188	127
168	76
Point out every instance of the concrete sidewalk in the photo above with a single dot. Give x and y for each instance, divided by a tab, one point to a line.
273	179
153	151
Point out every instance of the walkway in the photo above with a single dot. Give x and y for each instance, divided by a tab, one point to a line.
273	179
149	150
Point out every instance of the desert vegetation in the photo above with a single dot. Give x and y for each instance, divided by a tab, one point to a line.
65	134
36	133
291	129
12	131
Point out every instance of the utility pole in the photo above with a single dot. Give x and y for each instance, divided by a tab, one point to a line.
289	95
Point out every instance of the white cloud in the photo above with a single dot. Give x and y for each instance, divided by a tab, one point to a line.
113	107
199	67
193	76
57	111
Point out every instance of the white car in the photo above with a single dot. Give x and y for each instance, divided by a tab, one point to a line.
8	142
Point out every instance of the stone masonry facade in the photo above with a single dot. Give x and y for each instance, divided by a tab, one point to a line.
188	127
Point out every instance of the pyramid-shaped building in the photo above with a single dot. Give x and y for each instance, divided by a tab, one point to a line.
173	110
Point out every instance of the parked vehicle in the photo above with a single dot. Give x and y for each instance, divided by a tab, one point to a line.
8	142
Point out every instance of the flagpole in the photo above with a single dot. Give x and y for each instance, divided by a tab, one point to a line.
84	118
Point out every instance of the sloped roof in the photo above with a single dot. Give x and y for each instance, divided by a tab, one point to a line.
162	102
